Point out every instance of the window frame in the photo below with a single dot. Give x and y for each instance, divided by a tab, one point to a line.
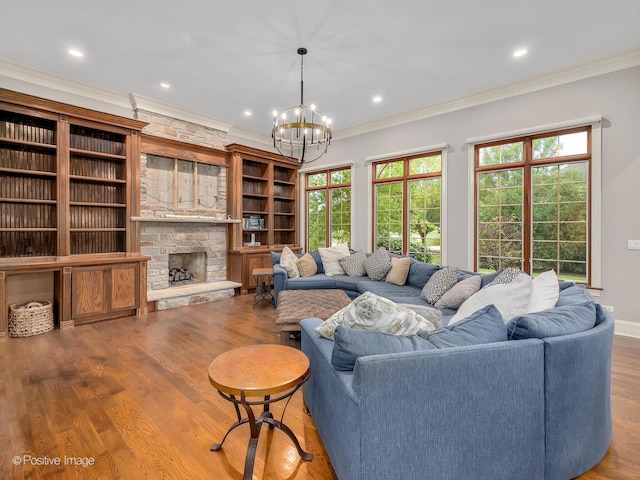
527	164
327	189
406	178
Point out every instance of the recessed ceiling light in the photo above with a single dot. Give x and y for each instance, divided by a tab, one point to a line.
377	99
247	113
74	52
165	85
520	53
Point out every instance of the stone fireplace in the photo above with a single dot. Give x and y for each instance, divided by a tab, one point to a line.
183	219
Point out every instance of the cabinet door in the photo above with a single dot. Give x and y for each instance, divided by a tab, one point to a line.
257	260
89	288
124	287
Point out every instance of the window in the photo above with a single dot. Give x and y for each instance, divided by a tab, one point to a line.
533	204
328	208
407	193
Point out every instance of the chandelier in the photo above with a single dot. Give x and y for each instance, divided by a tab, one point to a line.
301	133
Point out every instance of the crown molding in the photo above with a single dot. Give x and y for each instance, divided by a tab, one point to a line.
140	102
37	82
611	64
241	134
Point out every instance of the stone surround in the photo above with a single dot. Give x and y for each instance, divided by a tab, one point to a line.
183	209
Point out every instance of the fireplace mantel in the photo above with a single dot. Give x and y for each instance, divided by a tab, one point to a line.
186	219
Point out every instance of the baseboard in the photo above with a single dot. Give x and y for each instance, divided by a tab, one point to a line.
627	329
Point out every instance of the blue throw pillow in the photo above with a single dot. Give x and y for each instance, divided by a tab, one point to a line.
483	326
349	344
565	320
573	296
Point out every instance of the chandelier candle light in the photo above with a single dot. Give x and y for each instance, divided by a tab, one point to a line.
301	133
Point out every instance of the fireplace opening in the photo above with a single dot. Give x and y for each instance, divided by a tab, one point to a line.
187	268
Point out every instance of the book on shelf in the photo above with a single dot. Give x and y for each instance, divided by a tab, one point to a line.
254	221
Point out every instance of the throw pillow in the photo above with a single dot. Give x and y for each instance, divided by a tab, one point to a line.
378	264
555	322
457	294
331	258
399	270
430	314
482	326
353	265
439	283
307	266
505	276
545	292
374	313
573	296
289	261
512	299
350	344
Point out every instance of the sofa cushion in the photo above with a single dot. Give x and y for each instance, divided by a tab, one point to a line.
307	266
353	265
554	322
289	261
388	290
439	283
331	258
545	292
483	326
420	272
350	344
457	294
345	282
573	295
378	264
374	313
399	270
512	299
319	281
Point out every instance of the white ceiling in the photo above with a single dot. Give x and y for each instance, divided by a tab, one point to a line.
222	58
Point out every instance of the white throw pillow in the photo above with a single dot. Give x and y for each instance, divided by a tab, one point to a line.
331	258
289	261
511	299
375	314
545	292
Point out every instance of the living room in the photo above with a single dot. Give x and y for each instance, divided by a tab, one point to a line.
598	92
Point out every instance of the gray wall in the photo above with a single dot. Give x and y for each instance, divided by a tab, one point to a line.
615	96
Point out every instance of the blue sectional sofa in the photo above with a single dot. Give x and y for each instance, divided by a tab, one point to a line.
419	274
528	409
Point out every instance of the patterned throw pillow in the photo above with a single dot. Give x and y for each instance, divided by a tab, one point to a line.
505	276
378	264
289	261
353	265
439	283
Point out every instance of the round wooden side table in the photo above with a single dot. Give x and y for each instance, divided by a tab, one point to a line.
259	371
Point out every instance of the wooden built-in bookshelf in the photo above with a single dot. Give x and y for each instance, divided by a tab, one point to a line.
69	181
263	189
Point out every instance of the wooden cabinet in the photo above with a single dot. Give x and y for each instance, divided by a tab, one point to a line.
263	191
69	185
102	291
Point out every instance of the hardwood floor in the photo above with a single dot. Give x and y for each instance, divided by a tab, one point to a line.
131	399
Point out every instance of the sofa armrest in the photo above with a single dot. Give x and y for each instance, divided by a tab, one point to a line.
279	281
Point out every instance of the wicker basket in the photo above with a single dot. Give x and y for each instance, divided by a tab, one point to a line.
28	321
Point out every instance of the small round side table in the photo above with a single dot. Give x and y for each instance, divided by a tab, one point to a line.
259	371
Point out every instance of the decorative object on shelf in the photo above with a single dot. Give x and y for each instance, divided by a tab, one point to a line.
301	129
